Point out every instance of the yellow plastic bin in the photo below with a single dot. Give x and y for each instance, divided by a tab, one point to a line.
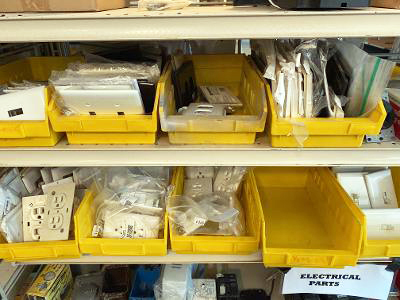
114	247
41	250
321	132
222	244
309	220
103	129
31	133
240	75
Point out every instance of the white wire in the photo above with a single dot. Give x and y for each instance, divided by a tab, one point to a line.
273	4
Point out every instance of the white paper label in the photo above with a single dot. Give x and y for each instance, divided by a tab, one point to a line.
368	281
199	221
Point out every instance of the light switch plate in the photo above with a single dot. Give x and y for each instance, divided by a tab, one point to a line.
196	187
381	189
354	185
48	217
199	172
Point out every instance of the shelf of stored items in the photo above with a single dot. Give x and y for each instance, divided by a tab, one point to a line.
171	258
165	154
209	22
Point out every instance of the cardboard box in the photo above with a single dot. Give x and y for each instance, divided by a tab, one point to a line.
59	5
386	3
54	282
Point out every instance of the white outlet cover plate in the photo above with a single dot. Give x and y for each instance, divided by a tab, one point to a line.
383	224
381	189
48	217
196	187
354	185
199	172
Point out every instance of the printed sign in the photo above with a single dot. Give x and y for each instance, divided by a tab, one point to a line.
368	280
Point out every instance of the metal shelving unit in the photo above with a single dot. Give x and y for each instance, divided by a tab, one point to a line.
203	23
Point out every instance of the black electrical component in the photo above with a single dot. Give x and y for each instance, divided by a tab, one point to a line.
317	4
227	287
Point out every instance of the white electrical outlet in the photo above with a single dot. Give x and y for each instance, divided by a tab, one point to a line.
381	189
130	225
354	185
196	187
48	217
199	172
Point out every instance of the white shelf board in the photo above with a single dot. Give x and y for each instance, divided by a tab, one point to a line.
210	22
165	154
172	258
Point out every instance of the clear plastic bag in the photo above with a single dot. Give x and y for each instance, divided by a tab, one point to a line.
212	214
11	225
370	76
128	205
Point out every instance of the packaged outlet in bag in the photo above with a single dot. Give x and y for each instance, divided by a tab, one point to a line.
209	206
129	204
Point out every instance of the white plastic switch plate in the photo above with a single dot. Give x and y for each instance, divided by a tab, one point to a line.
354	185
48	217
383	224
204	289
196	187
205	109
62	172
103	100
199	172
27	105
31	177
381	190
130	225
47	187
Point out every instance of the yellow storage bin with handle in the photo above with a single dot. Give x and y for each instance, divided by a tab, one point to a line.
104	129
240	75
31	133
85	217
321	132
201	244
309	220
41	250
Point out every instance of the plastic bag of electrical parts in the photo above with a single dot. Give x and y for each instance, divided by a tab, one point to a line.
228	179
106	89
163	4
369	77
130	205
211	214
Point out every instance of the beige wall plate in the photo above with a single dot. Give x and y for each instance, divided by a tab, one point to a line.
48	217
